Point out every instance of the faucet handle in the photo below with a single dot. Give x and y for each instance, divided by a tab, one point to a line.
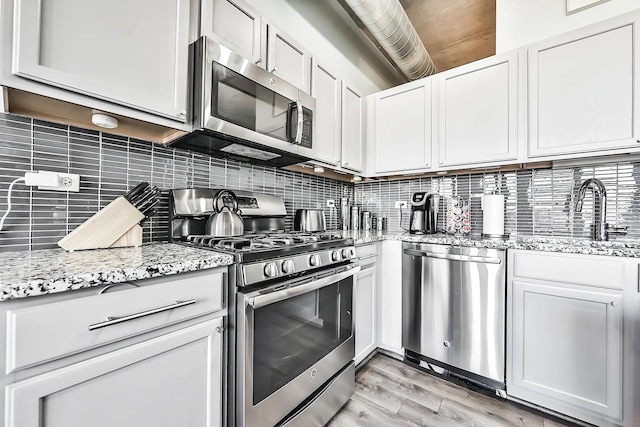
620	231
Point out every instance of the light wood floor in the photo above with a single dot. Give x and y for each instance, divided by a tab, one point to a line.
390	393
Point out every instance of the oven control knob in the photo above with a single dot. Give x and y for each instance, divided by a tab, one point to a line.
271	269
288	266
347	253
335	256
314	260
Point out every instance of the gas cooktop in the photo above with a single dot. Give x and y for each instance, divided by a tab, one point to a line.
253	247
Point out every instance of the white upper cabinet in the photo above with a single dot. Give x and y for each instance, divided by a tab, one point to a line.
402	128
478	112
327	128
288	60
128	53
583	90
236	25
352	140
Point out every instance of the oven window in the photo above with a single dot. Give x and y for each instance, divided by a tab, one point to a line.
292	335
239	100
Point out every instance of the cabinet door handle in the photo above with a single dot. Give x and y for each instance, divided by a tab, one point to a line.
115	320
613	303
258	61
274	69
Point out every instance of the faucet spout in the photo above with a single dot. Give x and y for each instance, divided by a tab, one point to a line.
599	226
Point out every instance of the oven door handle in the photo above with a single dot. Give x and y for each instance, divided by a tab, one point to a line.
259	301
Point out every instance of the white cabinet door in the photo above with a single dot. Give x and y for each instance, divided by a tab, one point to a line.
129	53
172	380
567	349
478	112
236	25
288	59
364	311
389	298
583	90
352	140
402	133
327	126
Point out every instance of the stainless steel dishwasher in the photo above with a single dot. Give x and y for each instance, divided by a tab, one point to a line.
453	309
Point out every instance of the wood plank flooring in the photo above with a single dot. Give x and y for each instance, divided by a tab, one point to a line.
390	393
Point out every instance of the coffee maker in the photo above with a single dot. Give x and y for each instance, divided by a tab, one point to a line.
424	213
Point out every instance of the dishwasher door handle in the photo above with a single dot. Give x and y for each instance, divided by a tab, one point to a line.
454	257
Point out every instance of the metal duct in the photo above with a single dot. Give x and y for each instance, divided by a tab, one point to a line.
390	26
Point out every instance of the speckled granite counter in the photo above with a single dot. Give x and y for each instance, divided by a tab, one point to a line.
563	245
49	271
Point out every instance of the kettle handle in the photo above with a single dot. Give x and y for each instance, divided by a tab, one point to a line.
218	197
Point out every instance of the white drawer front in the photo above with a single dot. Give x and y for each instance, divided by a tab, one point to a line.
366	250
51	331
587	270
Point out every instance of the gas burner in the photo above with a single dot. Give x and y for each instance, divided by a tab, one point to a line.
295	237
234	243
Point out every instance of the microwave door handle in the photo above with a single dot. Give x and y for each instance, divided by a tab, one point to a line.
298	139
289	127
260	301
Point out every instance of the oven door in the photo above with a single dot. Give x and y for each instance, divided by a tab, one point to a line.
292	338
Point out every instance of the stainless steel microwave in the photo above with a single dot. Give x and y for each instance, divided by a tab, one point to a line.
244	112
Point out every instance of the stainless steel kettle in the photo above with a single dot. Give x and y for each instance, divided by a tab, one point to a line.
225	221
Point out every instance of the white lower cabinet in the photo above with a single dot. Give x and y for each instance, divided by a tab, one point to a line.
147	353
567	348
389	298
365	312
570	342
170	380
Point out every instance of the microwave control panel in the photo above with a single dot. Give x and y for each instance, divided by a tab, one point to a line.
307	128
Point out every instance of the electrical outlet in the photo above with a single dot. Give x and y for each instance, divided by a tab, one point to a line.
66	182
331	203
401	204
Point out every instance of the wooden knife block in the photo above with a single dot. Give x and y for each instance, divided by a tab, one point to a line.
116	225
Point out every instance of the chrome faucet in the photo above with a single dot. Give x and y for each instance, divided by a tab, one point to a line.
600	230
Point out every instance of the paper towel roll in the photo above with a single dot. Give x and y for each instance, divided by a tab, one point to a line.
493	214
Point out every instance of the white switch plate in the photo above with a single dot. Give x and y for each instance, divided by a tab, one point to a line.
66	182
401	204
331	203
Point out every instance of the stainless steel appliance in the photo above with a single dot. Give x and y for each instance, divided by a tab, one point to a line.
225	221
453	308
310	220
291	331
244	112
424	213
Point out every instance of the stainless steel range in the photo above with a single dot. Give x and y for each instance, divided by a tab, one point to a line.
291	334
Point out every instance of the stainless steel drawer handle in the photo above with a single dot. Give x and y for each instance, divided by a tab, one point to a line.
454	257
115	320
367	257
446	344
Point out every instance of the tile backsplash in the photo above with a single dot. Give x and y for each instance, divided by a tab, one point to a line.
538	202
110	165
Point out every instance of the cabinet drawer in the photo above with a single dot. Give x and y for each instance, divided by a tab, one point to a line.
586	270
366	250
367	255
51	331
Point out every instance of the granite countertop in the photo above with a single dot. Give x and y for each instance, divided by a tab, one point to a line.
49	271
623	248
